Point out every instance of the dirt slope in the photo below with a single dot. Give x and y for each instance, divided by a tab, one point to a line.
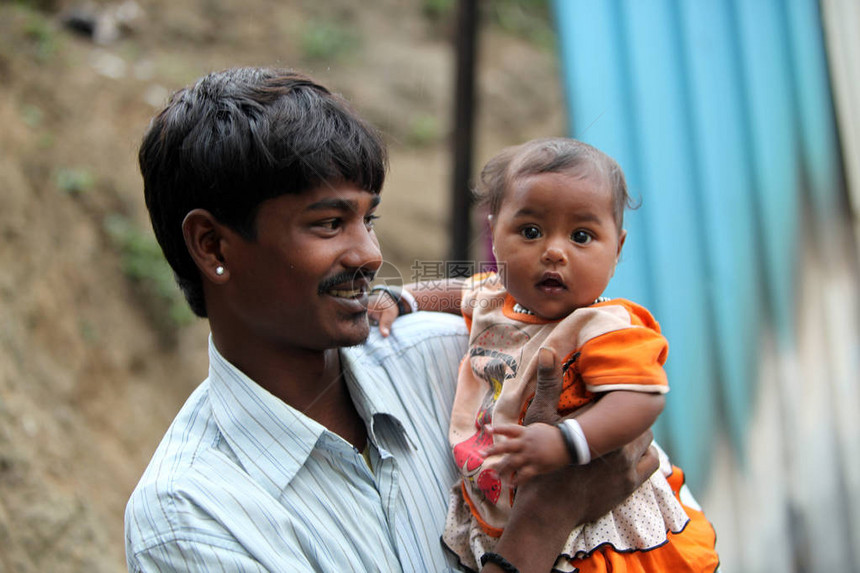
92	367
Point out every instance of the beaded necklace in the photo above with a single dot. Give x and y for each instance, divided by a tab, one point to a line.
523	310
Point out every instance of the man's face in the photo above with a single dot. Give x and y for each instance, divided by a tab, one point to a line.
303	282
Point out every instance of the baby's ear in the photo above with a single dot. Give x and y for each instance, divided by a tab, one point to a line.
622	236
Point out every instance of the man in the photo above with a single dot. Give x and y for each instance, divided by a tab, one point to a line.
307	448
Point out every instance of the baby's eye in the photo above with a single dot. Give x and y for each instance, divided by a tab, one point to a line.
530	232
581	237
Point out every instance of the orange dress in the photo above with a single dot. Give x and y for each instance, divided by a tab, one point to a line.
611	345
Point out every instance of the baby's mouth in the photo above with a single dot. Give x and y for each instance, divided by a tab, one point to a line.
552	281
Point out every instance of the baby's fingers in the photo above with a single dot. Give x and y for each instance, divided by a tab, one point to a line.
386	320
505	448
507	430
382	312
506	439
509	464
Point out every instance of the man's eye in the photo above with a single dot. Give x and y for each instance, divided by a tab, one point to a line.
370	221
530	232
581	237
331	224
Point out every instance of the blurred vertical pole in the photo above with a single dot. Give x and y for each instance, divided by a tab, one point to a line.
464	119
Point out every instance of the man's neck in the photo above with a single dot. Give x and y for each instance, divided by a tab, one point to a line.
312	382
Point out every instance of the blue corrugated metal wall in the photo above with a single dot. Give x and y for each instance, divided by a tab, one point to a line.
720	113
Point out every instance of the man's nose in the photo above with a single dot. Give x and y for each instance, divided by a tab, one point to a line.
364	251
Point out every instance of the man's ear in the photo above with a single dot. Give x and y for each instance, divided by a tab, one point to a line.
203	236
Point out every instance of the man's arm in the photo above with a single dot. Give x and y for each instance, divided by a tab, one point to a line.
550	506
176	555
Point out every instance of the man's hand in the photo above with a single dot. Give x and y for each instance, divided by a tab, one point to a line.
544	406
537	447
608	480
550	506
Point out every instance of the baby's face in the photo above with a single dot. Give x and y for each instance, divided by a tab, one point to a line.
556	242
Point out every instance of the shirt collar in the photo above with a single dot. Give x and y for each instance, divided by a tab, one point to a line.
371	388
272	439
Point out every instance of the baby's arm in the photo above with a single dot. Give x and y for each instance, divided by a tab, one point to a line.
616	419
387	303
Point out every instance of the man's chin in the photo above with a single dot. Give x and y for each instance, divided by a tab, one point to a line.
354	332
347	342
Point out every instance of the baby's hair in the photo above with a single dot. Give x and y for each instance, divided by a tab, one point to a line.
551	155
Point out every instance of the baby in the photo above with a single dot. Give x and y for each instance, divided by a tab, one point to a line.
556	214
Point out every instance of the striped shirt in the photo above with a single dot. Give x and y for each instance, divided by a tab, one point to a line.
243	482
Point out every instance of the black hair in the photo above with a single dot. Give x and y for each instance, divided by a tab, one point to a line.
551	155
239	137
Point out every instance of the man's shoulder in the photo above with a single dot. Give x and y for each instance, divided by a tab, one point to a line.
416	364
176	510
177	472
422	325
415	331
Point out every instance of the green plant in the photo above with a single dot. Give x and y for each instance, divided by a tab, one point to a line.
75	180
326	40
527	18
37	4
88	331
437	9
41	33
144	264
32	115
423	129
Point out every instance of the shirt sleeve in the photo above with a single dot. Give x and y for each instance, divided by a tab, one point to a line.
191	556
628	357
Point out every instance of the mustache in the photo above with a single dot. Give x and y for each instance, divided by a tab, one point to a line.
345	277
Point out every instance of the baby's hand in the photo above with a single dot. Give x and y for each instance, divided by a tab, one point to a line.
528	451
382	310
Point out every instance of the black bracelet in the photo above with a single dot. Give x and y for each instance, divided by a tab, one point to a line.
395	293
569	443
497	559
